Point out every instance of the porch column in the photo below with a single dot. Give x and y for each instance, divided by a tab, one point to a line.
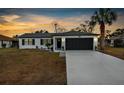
54	44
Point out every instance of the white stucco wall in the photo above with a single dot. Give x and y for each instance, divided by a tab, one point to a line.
8	44
95	42
37	43
0	44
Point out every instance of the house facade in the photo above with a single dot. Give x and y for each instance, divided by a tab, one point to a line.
117	41
5	42
58	42
34	40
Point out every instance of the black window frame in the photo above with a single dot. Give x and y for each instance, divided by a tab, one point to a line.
41	41
33	41
23	41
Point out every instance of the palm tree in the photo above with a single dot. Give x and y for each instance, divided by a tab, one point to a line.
107	34
102	17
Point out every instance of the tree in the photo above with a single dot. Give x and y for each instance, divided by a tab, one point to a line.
118	32
46	32
84	27
55	24
15	36
41	31
102	17
107	35
58	28
61	29
36	31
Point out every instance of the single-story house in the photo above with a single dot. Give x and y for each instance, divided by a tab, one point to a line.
117	41
5	41
72	40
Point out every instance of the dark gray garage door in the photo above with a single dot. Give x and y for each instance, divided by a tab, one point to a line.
79	43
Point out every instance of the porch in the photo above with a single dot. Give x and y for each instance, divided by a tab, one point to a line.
58	44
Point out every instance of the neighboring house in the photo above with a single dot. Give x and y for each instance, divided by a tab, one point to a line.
5	42
72	40
117	41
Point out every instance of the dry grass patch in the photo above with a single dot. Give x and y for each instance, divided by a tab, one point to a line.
31	67
117	52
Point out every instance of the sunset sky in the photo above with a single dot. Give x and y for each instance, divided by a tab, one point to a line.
19	21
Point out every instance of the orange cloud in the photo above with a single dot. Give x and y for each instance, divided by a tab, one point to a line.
10	18
15	24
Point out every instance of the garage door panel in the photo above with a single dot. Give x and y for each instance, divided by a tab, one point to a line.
79	43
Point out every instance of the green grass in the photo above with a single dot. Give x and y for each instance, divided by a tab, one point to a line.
31	67
117	52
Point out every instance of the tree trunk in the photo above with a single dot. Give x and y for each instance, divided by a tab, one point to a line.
102	35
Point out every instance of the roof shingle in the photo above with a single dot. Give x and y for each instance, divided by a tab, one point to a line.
5	38
50	35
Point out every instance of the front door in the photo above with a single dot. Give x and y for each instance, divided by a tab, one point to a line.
58	43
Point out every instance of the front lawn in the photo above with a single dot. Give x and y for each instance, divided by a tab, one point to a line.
117	52
31	67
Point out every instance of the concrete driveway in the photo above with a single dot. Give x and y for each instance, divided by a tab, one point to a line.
93	68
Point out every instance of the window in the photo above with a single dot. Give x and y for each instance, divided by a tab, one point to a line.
33	41
41	41
29	41
49	41
26	41
23	41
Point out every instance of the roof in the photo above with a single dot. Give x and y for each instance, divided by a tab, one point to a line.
36	35
75	33
50	35
6	38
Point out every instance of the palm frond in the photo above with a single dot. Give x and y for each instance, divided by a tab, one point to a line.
104	15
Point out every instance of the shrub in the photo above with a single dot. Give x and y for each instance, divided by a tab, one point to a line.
118	43
4	45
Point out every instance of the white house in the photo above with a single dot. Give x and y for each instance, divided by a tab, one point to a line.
5	42
117	41
72	40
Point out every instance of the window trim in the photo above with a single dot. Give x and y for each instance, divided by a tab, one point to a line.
33	41
23	41
41	41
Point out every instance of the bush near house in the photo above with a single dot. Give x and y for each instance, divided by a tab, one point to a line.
31	67
118	43
48	45
4	45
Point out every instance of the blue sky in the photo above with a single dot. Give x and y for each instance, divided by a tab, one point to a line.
59	12
55	12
